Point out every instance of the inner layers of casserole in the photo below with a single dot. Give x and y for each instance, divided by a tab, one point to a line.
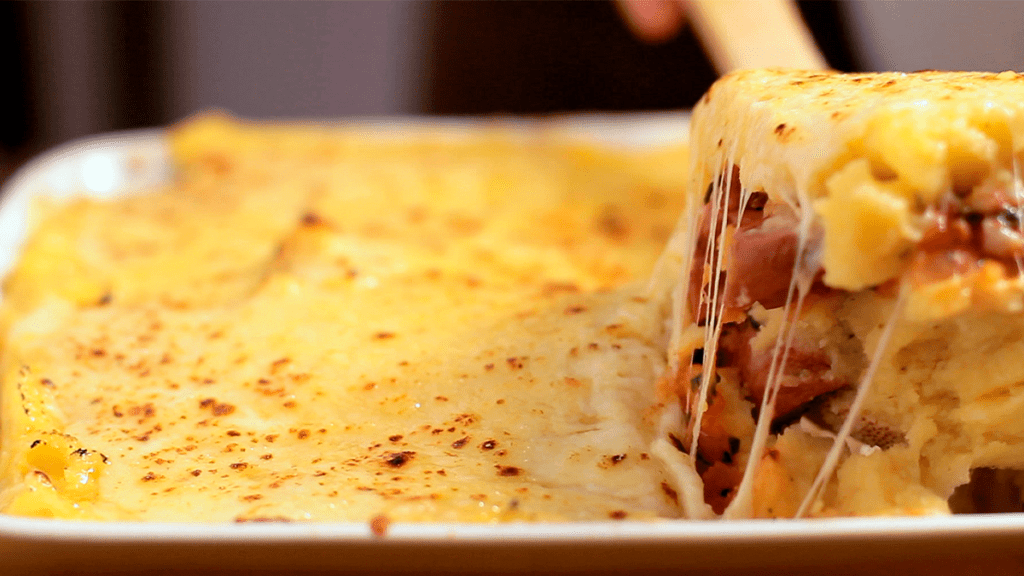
849	321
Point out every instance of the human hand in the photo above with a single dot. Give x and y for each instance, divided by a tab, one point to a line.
735	34
653	20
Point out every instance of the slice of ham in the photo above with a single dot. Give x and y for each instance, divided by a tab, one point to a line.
762	259
806	375
761	267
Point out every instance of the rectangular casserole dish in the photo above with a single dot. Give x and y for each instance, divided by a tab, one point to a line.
117	164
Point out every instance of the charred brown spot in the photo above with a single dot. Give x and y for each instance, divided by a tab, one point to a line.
311	219
241	519
612	223
146	410
670	492
398	459
508	470
552	287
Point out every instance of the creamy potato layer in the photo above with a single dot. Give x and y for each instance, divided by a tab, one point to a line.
849	327
337	325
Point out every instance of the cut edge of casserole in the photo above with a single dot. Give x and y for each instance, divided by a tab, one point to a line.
847	325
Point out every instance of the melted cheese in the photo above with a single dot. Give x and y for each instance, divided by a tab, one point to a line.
867	151
313	325
865	164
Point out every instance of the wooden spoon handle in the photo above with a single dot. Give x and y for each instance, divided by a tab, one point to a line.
740	34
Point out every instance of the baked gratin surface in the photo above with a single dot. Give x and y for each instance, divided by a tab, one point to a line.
332	325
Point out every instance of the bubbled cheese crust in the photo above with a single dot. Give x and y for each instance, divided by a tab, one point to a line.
332	325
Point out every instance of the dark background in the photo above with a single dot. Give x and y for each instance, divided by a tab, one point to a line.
73	68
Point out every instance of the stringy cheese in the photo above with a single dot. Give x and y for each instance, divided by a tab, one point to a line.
859	168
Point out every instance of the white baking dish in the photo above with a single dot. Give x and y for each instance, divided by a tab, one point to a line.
120	163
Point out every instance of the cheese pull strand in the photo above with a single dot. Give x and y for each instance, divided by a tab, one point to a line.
832	459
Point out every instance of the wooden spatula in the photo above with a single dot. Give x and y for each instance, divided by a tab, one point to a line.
739	34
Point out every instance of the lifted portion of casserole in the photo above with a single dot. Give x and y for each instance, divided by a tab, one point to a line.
335	325
849	328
